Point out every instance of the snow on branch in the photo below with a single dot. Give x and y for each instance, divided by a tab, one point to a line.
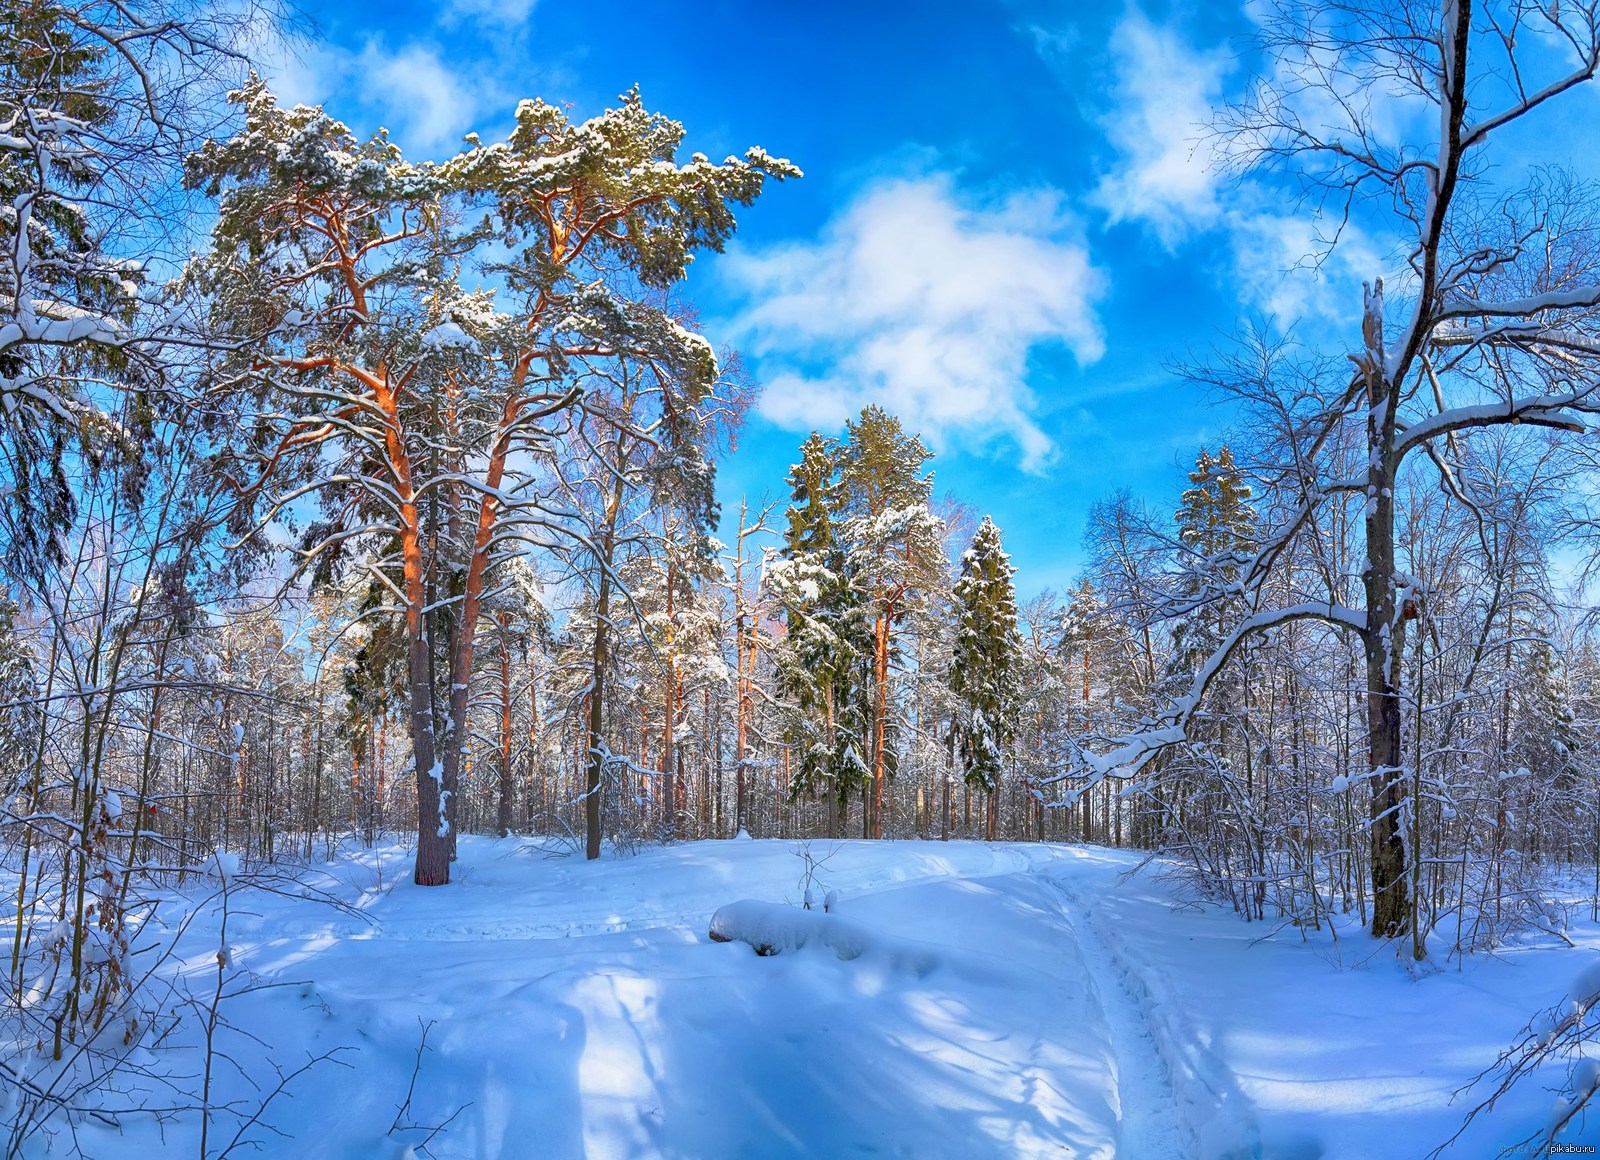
1171	728
1580	298
1561	411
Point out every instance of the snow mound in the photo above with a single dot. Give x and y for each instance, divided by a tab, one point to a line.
1586	986
773	929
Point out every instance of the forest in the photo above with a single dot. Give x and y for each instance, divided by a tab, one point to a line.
350	498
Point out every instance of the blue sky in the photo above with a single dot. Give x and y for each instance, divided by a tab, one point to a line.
1007	232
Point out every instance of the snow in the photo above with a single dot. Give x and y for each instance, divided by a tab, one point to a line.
446	334
225	866
979	1001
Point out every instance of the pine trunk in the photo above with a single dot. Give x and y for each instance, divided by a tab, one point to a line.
433	831
880	671
746	673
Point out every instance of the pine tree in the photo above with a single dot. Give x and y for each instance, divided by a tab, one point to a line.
986	656
895	555
434	406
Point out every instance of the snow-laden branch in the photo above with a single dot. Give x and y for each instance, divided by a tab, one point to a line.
1561	411
1579	298
1171	728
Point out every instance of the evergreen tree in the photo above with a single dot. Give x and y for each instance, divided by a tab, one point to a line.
420	413
1197	798
1217	525
21	714
986	656
90	132
822	670
1216	518
895	555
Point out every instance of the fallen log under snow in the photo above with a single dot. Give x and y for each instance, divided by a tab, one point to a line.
772	929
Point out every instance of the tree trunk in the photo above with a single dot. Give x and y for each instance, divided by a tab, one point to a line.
597	689
703	807
504	812
379	821
671	777
433	833
433	826
534	763
597	675
880	712
1383	640
465	630
746	676
949	778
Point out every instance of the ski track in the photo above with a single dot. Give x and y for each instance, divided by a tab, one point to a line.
1147	1124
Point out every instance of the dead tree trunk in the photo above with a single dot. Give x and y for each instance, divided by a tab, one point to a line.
1383	637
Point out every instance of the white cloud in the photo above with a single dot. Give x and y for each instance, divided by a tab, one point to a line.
499	14
1165	173
409	91
421	99
926	304
1168	175
1284	266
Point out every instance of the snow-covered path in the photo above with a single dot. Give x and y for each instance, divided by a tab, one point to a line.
1012	1001
580	1009
1147	1104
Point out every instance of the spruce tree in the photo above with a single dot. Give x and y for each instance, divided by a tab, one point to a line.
1218	526
822	668
1200	794
986	655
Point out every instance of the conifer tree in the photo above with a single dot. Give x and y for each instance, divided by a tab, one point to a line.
822	667
434	406
895	556
986	655
1217	525
98	102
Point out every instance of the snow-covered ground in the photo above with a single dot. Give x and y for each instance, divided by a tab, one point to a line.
961	1000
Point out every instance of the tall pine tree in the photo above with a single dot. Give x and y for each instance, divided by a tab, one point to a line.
896	557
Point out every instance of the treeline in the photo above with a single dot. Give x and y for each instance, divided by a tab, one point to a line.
865	670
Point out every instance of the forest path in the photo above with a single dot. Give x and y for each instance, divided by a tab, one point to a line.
1008	1001
1178	1096
1147	1118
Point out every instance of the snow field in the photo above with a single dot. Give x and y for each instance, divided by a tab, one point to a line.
994	1001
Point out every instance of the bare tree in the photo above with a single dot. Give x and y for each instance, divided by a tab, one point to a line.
1495	322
